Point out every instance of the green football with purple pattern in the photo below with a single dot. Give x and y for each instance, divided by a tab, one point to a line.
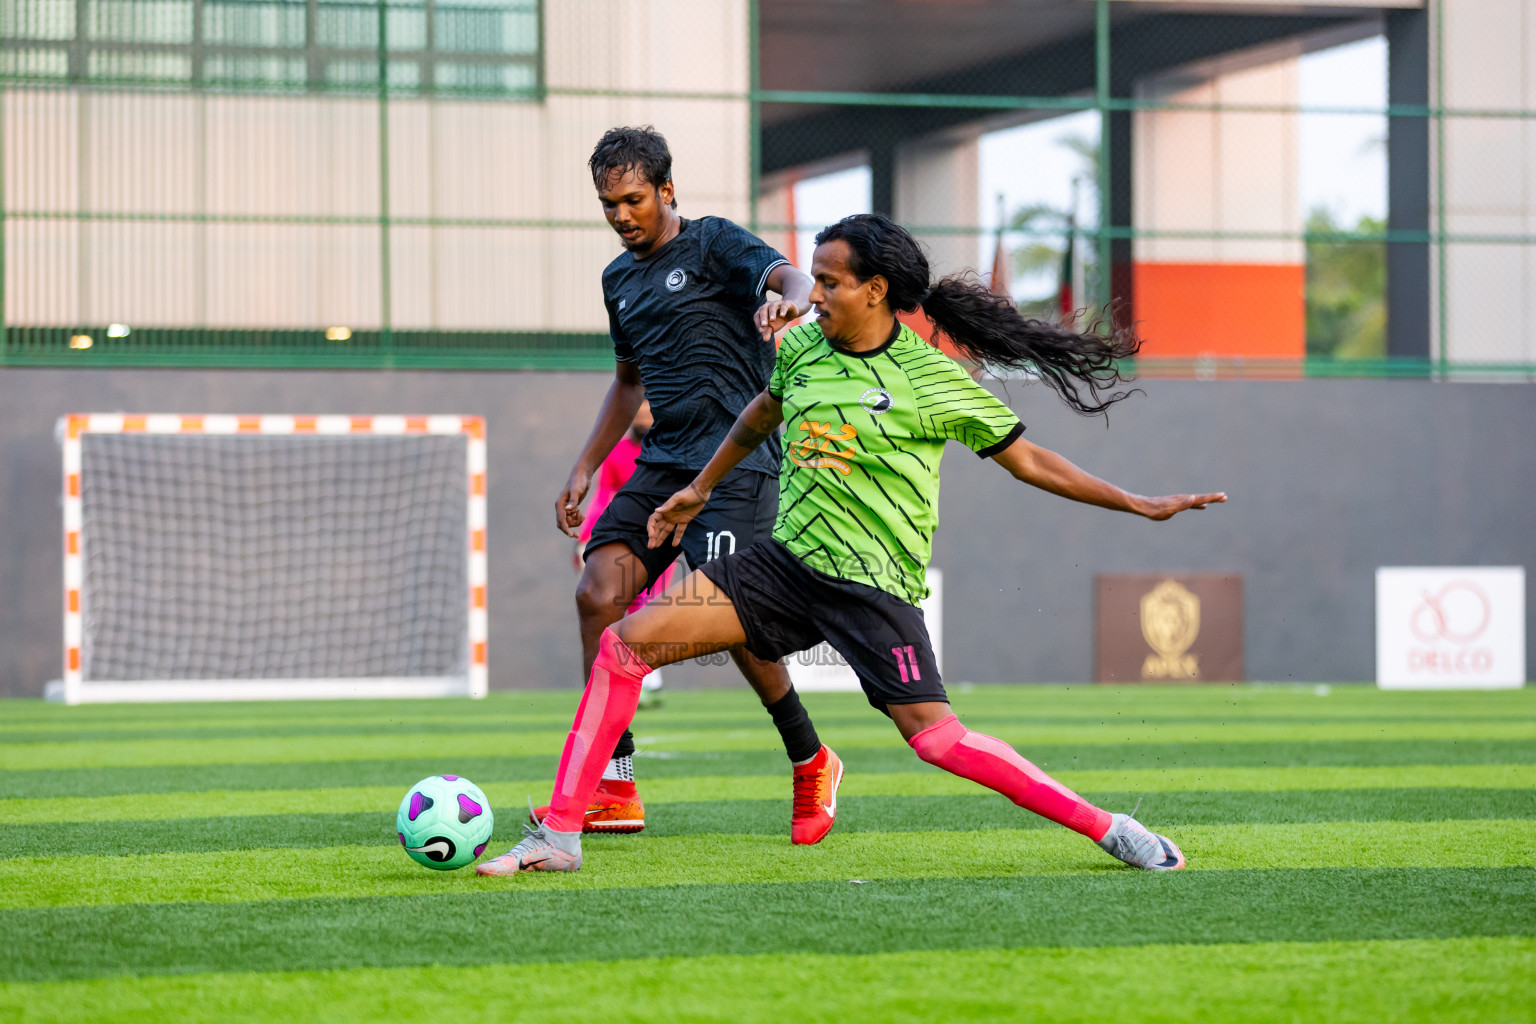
444	822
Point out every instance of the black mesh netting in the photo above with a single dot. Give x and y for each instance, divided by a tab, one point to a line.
273	557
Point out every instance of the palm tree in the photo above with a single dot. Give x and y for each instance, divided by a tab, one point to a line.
1046	227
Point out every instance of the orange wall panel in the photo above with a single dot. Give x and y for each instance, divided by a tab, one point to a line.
1186	310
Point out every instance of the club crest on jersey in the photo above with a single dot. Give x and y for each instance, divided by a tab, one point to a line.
818	451
877	401
676	280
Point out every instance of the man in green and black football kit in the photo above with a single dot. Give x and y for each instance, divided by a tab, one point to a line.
858	505
868	407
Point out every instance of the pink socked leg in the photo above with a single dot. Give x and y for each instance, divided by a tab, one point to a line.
996	765
606	709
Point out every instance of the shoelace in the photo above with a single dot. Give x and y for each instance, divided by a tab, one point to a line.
1129	847
807	795
533	839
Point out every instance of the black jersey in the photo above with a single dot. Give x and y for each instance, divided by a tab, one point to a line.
684	314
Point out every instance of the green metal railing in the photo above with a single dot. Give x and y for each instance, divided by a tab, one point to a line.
287	52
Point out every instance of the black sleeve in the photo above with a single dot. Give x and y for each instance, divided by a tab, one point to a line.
741	259
622	350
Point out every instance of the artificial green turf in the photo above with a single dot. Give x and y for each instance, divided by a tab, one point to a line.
509	925
837	718
700	788
1450	981
684	739
976	810
623	862
1091	702
1353	854
89	782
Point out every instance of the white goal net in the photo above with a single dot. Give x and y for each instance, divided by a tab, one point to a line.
262	557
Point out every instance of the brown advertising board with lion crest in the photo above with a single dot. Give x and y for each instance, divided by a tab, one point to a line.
1168	628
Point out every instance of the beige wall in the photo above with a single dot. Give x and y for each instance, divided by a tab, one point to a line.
213	161
936	185
1203	171
1213	173
1489	181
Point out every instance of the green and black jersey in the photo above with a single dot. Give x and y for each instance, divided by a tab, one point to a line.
864	432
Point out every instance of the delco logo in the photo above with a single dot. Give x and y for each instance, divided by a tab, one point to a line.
1442	626
1448	622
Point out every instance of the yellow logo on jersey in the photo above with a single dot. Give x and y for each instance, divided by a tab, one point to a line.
818	451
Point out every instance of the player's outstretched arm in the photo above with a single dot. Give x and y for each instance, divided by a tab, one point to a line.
618	411
794	301
755	425
1048	471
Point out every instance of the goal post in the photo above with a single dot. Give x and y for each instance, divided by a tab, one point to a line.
273	557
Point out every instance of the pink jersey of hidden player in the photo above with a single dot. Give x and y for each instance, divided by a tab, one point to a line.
614	473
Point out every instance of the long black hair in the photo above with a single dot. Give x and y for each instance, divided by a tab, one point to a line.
1082	366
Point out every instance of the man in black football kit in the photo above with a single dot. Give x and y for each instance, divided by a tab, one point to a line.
693	334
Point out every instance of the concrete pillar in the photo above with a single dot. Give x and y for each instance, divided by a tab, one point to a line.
936	183
1210	171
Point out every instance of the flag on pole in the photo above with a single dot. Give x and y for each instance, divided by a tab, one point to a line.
1066	302
999	282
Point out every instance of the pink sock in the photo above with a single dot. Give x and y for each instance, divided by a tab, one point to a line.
996	765
608	706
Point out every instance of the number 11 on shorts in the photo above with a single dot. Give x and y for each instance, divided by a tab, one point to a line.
906	656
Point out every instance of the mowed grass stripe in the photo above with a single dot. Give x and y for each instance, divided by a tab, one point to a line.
622	862
652	765
509	925
127	753
1448	981
344	800
669	721
972	812
1075	700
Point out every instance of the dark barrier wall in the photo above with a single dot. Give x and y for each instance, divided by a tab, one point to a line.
1329	479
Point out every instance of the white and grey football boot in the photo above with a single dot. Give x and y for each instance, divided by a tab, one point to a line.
537	852
1129	840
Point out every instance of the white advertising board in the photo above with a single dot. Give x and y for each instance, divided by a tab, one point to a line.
1450	627
823	669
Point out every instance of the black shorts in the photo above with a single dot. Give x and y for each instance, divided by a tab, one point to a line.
786	606
739	513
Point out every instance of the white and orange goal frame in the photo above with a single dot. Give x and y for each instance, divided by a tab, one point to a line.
219	557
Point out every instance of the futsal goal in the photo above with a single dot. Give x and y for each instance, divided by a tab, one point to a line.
273	557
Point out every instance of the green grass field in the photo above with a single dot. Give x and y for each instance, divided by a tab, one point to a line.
1354	856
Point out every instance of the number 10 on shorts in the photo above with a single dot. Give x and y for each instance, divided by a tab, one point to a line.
905	656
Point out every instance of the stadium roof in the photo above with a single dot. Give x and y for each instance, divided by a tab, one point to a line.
994	47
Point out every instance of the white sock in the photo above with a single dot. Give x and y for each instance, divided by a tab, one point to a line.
568	842
621	769
652	681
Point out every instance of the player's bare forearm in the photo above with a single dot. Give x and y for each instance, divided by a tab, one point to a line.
1043	468
792	285
614	417
755	425
794	301
617	413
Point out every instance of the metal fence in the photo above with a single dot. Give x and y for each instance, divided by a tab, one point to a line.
402	182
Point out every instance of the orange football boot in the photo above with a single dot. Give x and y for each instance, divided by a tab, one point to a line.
815	810
615	807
